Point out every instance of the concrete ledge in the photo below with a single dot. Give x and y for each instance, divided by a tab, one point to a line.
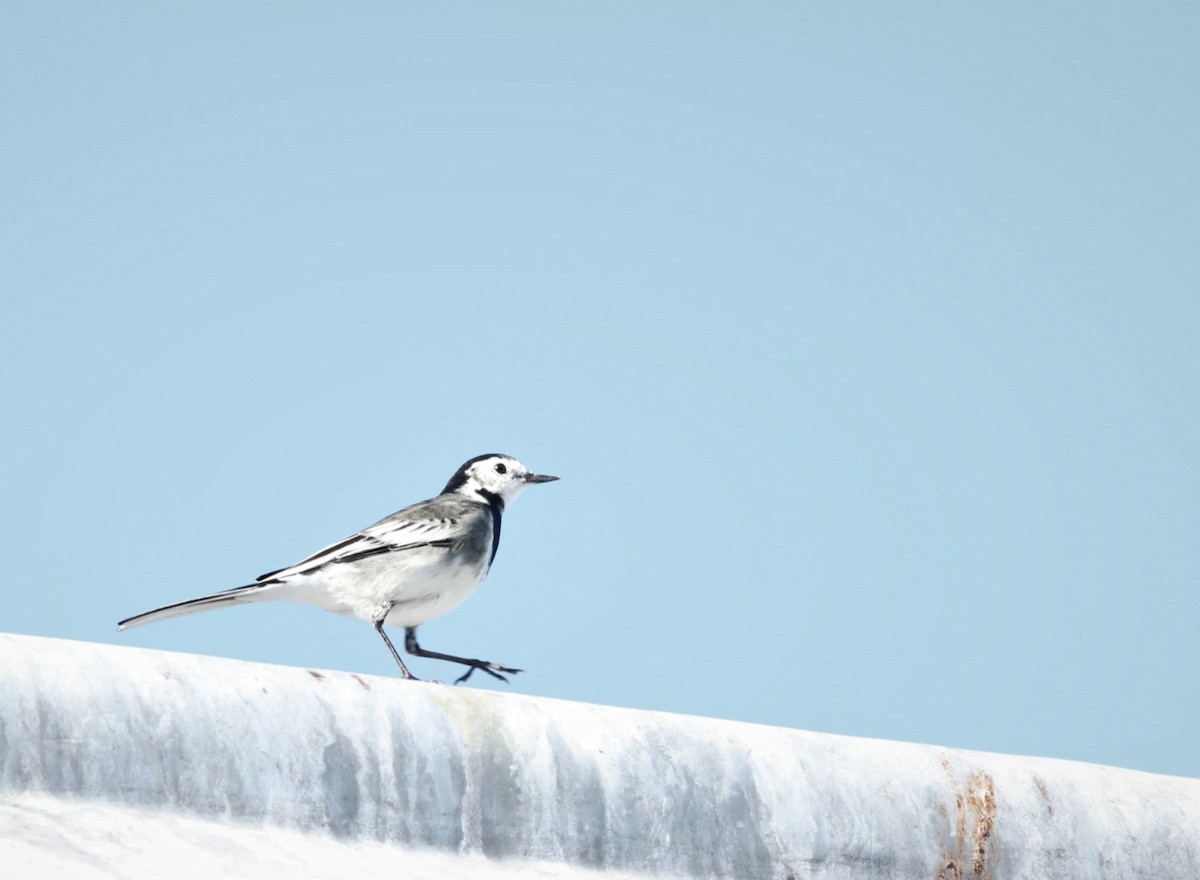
351	762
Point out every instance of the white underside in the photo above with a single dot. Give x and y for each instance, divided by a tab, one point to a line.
419	587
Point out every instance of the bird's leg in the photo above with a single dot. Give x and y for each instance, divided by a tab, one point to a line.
492	669
378	620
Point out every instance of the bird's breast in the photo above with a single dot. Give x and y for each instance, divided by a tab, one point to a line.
440	593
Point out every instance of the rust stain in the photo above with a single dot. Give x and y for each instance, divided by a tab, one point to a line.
960	822
360	681
949	871
981	796
974	824
318	676
1041	786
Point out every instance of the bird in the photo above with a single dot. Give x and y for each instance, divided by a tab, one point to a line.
404	570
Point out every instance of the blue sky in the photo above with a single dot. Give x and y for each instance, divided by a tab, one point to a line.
864	340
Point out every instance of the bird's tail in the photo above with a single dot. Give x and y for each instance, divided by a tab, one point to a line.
236	596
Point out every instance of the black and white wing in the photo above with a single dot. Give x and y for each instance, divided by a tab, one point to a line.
404	531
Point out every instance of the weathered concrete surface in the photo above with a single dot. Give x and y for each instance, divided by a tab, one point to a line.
44	837
437	772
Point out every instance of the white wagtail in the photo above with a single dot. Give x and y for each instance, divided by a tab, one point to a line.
408	568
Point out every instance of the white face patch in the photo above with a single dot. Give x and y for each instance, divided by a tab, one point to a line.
499	475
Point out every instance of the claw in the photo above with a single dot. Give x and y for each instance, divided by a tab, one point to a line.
411	645
490	669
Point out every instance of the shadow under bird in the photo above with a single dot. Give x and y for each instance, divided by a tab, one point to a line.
406	569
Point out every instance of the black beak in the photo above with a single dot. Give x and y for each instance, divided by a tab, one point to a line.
540	478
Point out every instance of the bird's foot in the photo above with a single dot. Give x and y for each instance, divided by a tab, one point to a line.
492	669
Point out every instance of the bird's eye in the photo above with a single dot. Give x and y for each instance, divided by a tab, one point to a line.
501	469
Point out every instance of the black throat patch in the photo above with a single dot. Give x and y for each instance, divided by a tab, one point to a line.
496	503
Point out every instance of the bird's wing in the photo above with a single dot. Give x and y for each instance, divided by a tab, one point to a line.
406	530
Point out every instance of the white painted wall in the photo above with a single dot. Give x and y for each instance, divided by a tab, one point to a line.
118	761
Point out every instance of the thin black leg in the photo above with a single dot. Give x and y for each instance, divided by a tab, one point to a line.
379	618
492	669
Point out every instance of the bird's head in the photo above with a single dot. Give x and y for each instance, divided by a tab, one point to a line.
493	476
